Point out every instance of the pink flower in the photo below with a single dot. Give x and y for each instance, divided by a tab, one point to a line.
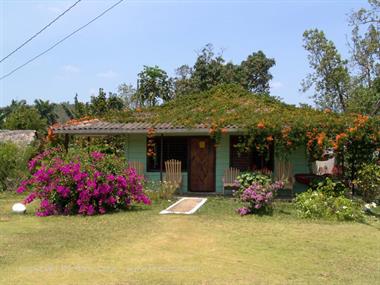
96	155
90	210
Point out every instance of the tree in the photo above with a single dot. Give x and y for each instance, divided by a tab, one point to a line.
6	111
365	100
255	73
114	102
365	46
154	86
128	94
365	57
182	82
330	76
210	70
98	104
46	110
25	118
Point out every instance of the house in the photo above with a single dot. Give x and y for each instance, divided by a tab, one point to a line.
203	164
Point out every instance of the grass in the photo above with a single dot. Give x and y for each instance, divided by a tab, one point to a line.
214	246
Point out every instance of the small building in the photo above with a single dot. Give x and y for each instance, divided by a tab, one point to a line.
203	163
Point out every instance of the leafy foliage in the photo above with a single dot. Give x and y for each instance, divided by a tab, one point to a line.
330	75
101	104
316	205
368	182
25	118
13	164
347	85
46	110
358	144
246	179
365	46
154	85
211	70
330	187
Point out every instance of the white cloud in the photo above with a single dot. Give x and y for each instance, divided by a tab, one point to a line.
275	85
108	74
70	68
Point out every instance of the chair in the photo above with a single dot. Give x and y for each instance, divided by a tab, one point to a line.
138	166
284	171
173	173
229	178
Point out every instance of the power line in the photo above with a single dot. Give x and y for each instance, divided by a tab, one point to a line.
43	29
60	41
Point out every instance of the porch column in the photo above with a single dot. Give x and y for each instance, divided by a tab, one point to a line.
161	156
66	142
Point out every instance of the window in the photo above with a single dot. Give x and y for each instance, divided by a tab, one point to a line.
174	148
251	160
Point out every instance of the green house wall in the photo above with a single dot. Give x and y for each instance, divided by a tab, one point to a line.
136	151
299	162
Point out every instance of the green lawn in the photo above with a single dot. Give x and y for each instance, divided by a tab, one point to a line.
214	246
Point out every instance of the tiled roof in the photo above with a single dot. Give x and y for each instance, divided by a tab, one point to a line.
20	137
96	127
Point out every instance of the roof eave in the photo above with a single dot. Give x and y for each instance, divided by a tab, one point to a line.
92	132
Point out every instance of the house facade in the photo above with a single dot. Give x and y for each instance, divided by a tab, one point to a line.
203	162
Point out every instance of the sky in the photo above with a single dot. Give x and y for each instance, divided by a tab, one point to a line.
114	49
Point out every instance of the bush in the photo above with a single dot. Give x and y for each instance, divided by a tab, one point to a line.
316	204
246	179
330	187
368	182
81	183
258	198
157	190
13	164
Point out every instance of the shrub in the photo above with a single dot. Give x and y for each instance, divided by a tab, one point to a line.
13	164
246	179
368	182
81	183
157	190
317	204
258	198
330	187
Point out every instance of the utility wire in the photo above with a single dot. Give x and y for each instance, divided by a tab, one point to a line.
43	29
60	41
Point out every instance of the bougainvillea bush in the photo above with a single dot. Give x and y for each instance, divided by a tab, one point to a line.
258	198
81	183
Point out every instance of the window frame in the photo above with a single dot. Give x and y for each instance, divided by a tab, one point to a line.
184	167
253	155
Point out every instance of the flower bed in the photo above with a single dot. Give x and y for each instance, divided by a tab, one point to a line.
81	183
257	192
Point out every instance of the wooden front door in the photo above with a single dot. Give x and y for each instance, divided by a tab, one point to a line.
202	165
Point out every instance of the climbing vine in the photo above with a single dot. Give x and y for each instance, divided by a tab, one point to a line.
263	120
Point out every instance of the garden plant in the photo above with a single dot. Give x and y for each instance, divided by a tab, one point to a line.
81	183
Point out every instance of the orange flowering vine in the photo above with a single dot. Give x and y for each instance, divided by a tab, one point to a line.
261	125
151	144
